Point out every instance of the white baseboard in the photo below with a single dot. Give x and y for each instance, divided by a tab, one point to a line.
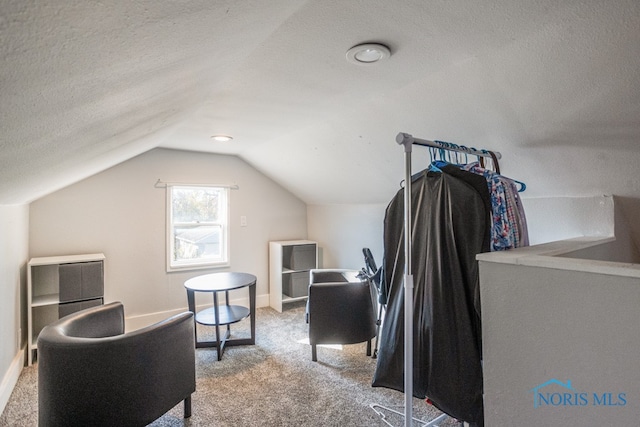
10	378
136	322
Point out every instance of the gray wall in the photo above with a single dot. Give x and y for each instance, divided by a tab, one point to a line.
14	221
343	230
121	213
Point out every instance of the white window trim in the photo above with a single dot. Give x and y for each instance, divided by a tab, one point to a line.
198	265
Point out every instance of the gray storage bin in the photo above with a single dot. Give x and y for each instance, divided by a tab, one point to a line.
70	282
72	307
296	284
81	281
299	257
92	280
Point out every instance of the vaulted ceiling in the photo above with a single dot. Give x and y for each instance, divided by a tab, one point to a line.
553	85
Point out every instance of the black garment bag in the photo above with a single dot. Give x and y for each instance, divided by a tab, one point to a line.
450	219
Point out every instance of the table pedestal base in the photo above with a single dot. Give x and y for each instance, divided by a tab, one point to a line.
225	314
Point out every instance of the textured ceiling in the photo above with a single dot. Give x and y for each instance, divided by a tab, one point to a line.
554	86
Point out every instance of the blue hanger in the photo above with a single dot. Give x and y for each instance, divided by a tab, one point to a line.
433	167
440	163
437	165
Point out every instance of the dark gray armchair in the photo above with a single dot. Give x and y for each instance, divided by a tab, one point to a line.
91	373
341	309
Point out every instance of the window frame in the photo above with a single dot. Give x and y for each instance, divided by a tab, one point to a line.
224	260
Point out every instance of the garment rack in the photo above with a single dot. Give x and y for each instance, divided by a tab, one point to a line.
407	140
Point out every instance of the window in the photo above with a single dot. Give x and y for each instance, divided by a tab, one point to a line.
198	232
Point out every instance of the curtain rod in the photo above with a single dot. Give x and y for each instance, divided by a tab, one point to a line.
161	184
407	140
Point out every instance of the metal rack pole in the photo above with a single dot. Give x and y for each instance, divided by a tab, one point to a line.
407	139
408	294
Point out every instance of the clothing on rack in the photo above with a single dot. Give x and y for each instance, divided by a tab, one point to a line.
509	226
444	231
450	212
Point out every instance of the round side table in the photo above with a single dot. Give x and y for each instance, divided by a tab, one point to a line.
225	314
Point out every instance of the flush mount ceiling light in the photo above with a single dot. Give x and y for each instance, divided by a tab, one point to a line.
222	138
368	53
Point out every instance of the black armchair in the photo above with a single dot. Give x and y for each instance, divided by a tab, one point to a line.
340	309
91	373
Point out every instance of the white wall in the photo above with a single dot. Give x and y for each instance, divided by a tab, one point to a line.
120	213
14	231
557	218
343	230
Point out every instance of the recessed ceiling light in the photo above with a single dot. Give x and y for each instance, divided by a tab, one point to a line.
368	53
222	138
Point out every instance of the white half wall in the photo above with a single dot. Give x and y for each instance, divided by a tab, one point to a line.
120	213
14	235
560	337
